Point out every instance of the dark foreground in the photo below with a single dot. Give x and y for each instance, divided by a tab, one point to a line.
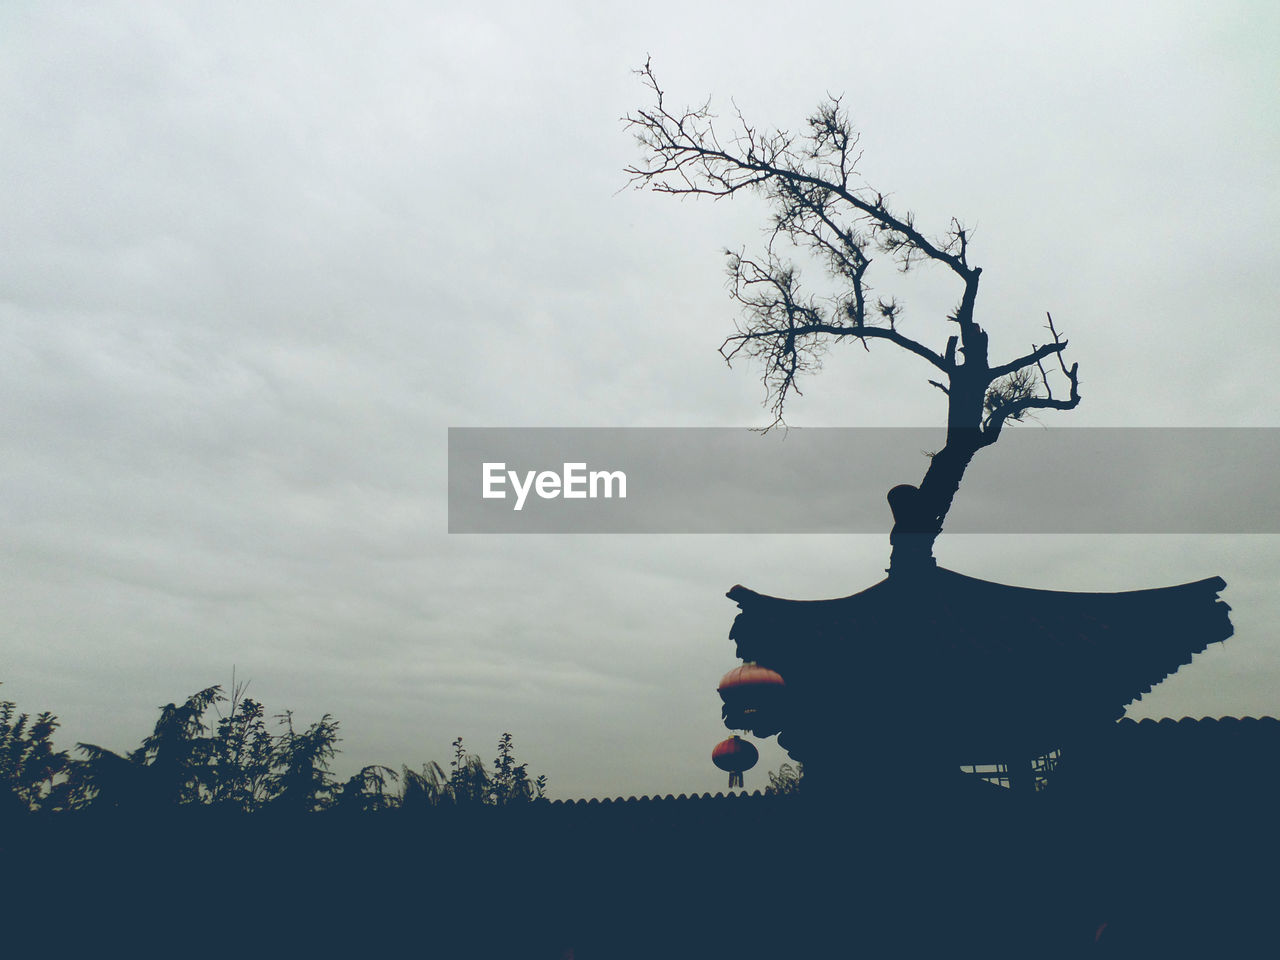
972	871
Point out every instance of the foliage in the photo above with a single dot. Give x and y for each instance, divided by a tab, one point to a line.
169	768
300	780
237	763
785	780
242	756
510	782
32	772
366	792
177	752
468	779
470	783
425	789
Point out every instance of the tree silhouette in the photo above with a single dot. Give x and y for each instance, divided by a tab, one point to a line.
32	772
420	790
823	209
470	783
510	782
242	767
468	779
242	755
301	781
176	752
168	770
366	792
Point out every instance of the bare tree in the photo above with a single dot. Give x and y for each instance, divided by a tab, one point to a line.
822	207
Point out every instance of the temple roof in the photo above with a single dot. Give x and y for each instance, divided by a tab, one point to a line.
998	664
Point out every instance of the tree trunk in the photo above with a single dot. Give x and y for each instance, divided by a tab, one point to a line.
919	512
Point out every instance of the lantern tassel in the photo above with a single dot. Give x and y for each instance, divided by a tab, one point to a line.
735	779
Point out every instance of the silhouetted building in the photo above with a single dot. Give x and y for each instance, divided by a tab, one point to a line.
918	676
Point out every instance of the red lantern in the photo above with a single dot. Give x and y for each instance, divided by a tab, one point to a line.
752	697
735	755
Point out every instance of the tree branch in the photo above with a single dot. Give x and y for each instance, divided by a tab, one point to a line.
687	158
809	177
1014	408
862	333
1035	356
819	207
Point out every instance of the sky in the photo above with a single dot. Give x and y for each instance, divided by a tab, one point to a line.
256	261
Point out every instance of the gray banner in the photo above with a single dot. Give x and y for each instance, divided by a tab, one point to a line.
660	480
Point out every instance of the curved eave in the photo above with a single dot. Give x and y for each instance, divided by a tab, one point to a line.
994	653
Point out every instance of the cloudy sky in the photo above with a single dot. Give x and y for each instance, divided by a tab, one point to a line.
257	260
